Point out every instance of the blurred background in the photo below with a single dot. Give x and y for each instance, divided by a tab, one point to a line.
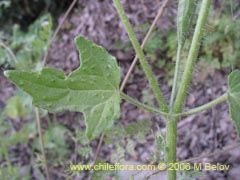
25	33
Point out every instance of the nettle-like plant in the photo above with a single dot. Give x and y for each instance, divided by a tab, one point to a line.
93	88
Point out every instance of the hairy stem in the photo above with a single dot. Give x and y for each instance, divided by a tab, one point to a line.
196	110
192	56
142	106
152	80
176	77
185	13
171	140
159	14
172	121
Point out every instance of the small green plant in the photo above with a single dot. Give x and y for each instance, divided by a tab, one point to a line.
26	12
93	88
24	50
220	48
11	171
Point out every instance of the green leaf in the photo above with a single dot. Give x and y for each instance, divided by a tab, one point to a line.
92	89
234	98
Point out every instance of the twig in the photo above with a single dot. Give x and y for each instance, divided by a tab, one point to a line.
41	142
98	149
58	29
124	82
229	148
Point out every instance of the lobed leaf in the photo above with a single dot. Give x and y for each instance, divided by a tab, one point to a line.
92	89
234	98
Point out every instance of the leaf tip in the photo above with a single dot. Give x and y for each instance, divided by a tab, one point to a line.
79	39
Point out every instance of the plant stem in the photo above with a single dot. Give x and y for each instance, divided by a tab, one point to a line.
159	14
142	106
176	77
172	121
171	140
196	110
172	131
192	56
41	142
147	70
